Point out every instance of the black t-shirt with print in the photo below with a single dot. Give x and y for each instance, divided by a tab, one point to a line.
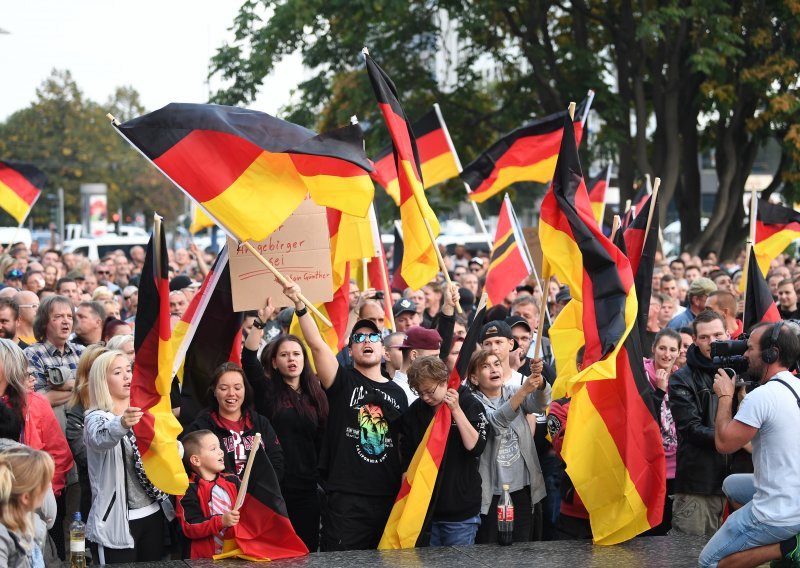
360	453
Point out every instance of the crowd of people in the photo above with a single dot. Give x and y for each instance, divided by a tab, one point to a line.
339	434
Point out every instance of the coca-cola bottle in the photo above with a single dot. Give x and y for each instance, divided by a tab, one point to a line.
505	518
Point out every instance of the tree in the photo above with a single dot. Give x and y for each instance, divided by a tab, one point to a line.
69	138
673	78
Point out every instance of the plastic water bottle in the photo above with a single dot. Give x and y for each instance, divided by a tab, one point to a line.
77	543
505	518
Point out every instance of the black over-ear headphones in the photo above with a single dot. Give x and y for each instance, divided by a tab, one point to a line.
772	353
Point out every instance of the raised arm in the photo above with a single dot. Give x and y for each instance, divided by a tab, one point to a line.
324	359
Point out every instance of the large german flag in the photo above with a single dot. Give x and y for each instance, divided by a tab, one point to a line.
20	186
436	156
414	504
209	333
613	453
509	265
157	431
776	228
200	219
420	263
597	187
528	153
264	531
759	307
250	170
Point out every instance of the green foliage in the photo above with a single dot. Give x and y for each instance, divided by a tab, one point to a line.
70	139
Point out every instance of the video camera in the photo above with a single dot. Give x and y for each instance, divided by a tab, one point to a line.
729	356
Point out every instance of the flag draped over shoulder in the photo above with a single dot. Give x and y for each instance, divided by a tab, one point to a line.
509	265
264	531
597	187
436	157
209	333
776	228
250	170
420	263
412	508
157	432
528	153
612	447
759	307
20	186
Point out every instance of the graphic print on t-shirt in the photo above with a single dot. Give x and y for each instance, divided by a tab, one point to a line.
372	435
508	452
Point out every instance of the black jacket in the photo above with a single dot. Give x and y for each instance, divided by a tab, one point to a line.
700	467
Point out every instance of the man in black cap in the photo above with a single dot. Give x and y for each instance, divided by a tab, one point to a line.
419	342
360	460
405	314
496	337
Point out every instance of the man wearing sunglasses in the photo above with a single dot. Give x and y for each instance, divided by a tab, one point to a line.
360	459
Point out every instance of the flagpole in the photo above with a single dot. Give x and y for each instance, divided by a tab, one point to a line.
442	267
653	198
615	227
515	220
256	444
542	308
280	277
157	237
460	169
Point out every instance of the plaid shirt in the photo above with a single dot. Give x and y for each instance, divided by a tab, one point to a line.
43	356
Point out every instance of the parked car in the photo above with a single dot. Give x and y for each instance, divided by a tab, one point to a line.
97	247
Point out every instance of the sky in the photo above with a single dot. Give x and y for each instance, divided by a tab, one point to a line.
162	49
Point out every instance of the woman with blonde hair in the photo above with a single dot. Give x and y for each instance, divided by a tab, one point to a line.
126	520
76	407
25	476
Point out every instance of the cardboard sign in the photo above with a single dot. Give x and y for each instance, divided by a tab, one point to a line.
300	249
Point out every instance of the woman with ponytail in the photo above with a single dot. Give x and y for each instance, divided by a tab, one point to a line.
25	476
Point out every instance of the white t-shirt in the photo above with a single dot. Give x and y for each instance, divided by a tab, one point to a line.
401	379
776	450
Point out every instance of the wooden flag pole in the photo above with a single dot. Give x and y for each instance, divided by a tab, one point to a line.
572	110
615	227
608	182
542	309
653	197
285	282
387	291
442	266
246	477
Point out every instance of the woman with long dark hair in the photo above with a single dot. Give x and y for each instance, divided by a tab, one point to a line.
290	395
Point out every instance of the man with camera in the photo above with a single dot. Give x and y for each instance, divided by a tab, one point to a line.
700	470
766	525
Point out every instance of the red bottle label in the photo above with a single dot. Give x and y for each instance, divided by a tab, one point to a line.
505	514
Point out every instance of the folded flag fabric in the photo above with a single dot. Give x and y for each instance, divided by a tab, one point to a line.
157	432
597	187
21	185
759	307
528	153
436	156
776	227
250	170
509	265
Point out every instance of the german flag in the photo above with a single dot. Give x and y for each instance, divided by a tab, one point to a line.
420	263
776	228
614	453
158	430
413	507
20	186
377	271
250	170
264	531
528	153
509	265
200	220
209	333
641	252
397	260
597	187
759	307
436	155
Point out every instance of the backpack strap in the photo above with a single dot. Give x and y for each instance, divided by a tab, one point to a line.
784	383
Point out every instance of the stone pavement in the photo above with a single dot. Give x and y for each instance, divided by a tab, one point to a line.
650	552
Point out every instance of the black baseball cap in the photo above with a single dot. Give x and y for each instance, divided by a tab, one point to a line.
518	320
403	305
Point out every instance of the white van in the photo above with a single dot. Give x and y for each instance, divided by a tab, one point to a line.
97	247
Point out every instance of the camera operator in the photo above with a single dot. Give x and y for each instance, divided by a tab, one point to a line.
700	469
766	526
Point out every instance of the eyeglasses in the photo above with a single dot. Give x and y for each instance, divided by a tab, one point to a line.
362	337
429	392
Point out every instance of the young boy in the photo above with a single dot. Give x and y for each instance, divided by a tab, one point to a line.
458	500
205	511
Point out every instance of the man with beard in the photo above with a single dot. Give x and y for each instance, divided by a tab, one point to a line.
360	460
9	316
700	469
766	522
